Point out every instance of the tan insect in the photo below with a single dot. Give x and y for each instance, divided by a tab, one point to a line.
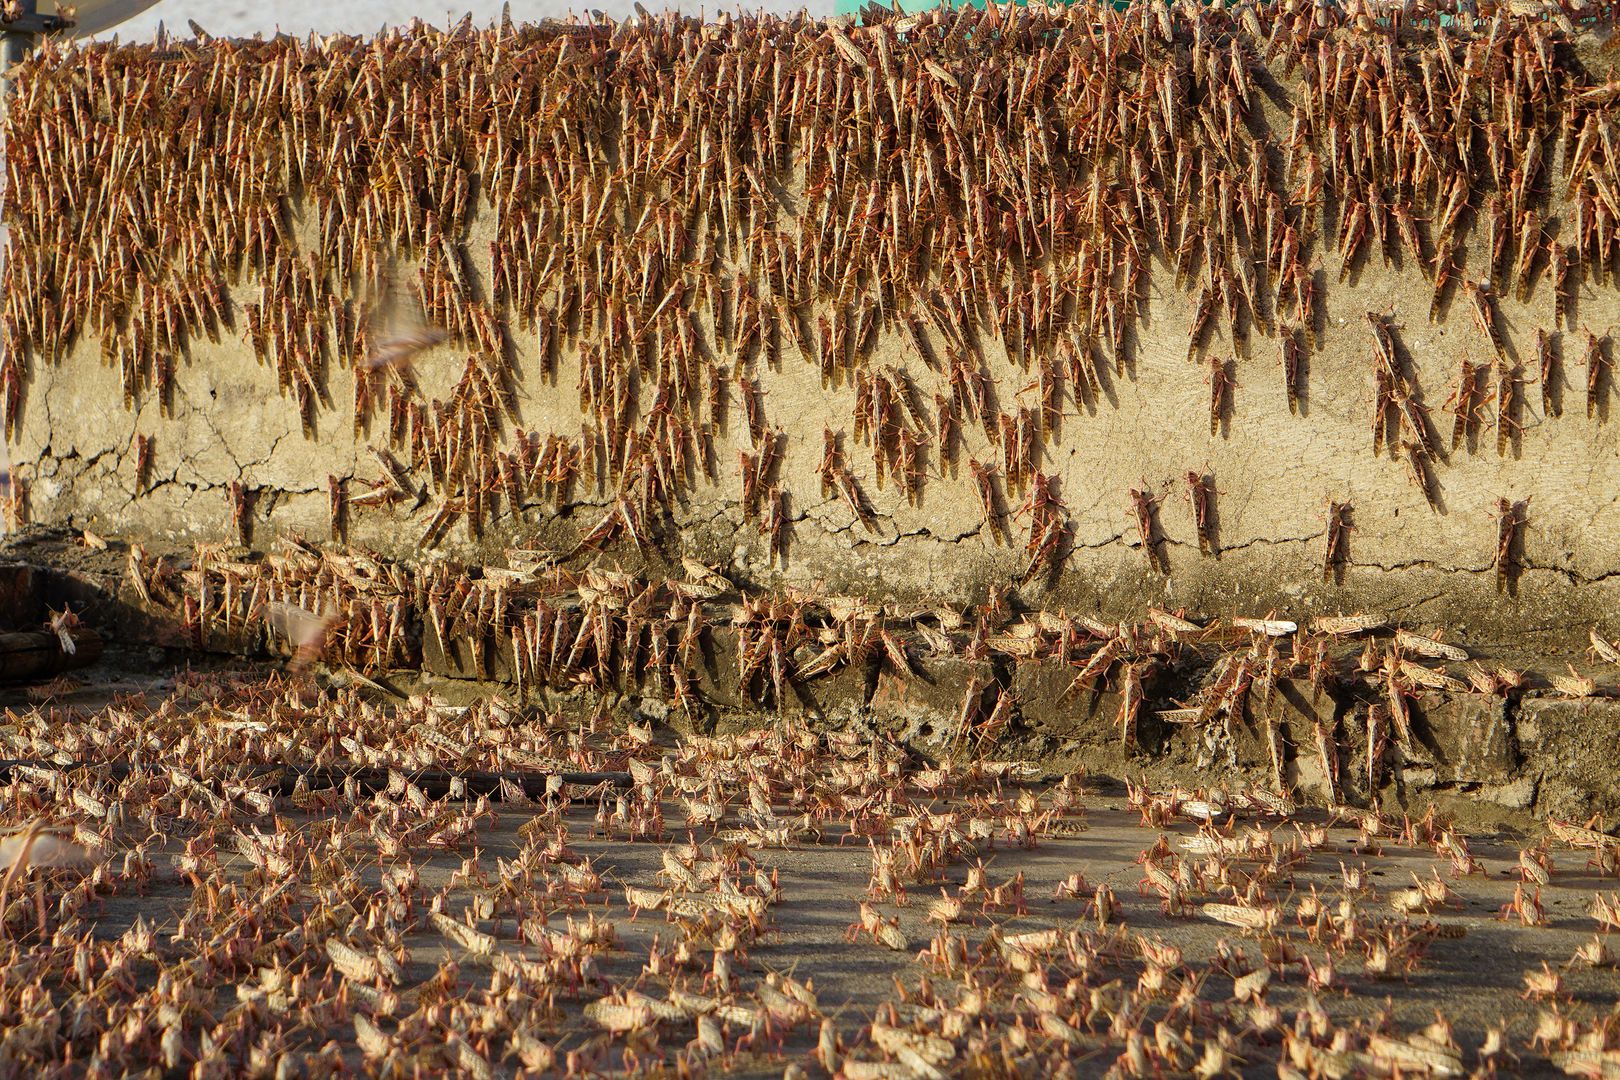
371	1039
1581	836
1594	953
1535	866
1424	645
1573	685
474	941
35	845
947	909
353	964
1072	887
1543	985
1247	918
618	1017
62	624
1606	910
1526	906
1269	627
1348	625
885	932
1420	1054
398	335
305	631
1251	987
1602	649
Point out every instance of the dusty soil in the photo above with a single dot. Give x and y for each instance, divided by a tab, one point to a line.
454	1003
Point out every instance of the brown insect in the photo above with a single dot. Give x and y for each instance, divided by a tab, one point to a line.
1328	754
163	368
1222	381
1509	382
241	519
1143	509
1293	364
1377	740
1596	374
1383	407
1419	472
1510	522
753	405
1547	366
62	624
989	503
1484	302
338	503
775	521
1415	419
949	428
1203	319
1130	703
849	490
1464	403
1048	524
1338	540
1201	493
1447	262
397	337
1565	274
143	461
832	460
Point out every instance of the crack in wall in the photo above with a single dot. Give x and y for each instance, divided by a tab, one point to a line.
52	464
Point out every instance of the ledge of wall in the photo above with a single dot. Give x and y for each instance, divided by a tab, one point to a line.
1028	684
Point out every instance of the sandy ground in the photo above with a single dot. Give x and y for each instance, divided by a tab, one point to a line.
1472	970
1475	980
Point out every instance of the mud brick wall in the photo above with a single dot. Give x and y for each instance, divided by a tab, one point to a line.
1275	307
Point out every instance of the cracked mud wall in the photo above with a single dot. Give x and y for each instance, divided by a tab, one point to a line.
1274	473
228	419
